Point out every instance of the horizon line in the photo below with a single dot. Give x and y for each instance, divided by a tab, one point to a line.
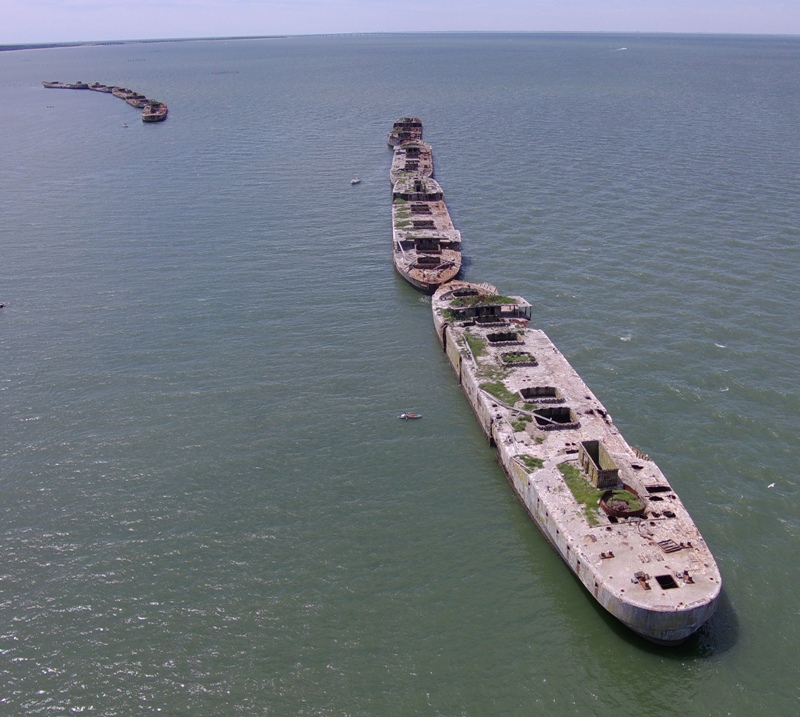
90	43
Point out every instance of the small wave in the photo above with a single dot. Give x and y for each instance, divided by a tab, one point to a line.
720	346
725	388
627	337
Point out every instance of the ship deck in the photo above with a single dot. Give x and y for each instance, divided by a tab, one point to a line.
413	158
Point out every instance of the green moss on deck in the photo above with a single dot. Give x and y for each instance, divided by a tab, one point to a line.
631	500
585	493
531	462
498	390
521	423
476	345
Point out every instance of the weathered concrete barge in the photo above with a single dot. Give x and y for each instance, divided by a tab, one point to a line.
406	128
152	110
413	158
426	247
606	507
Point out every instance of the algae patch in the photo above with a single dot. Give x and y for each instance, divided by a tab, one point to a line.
583	491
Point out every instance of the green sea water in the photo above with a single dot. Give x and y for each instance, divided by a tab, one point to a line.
208	504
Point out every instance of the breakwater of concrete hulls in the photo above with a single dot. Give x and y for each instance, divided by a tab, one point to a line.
152	110
426	246
605	506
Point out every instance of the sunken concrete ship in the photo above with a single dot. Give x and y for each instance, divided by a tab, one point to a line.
406	128
605	507
152	110
426	246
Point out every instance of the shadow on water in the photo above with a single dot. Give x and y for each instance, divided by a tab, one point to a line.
717	636
466	263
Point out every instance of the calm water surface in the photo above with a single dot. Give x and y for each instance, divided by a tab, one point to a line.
209	506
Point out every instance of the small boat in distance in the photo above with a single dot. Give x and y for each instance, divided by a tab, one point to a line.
355	180
409	416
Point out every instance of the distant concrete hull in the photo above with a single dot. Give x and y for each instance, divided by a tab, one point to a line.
426	247
403	130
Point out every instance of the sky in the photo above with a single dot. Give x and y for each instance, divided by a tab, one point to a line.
42	21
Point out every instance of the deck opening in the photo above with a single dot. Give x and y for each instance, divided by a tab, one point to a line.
542	394
430	245
504	337
666	581
557	417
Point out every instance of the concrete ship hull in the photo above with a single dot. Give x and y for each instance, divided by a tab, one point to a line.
154	112
412	158
426	247
664	627
405	128
426	287
649	568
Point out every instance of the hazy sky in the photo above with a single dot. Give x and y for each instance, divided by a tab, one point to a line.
27	21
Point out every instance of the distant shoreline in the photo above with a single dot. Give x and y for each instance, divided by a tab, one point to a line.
100	43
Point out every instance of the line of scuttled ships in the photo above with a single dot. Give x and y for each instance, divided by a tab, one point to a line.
605	506
152	110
